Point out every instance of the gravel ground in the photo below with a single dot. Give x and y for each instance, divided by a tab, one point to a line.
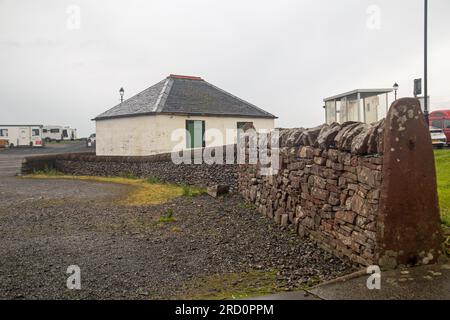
47	225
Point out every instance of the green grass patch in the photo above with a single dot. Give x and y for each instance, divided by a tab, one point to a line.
246	206
149	191
189	191
142	193
167	217
442	158
153	180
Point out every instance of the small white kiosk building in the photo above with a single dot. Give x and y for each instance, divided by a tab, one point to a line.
363	105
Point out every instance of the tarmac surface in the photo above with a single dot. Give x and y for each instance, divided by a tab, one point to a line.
11	158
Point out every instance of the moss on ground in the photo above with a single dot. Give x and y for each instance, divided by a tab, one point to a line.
232	286
246	206
143	192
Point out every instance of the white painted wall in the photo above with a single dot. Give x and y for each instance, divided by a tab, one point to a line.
146	135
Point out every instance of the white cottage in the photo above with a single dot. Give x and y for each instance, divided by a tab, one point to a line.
158	119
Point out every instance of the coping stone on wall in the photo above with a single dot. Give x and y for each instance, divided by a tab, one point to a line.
354	137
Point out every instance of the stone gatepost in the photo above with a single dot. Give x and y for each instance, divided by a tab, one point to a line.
409	230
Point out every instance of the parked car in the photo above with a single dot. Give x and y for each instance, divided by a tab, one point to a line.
90	142
438	137
441	119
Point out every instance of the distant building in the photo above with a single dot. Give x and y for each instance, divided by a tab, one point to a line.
363	105
143	124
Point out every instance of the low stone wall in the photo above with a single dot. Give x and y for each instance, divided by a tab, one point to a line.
328	194
367	192
158	166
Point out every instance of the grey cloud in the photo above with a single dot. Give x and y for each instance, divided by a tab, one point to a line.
284	56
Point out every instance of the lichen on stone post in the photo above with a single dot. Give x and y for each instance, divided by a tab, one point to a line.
408	226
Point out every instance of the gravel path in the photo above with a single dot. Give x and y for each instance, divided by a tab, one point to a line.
47	225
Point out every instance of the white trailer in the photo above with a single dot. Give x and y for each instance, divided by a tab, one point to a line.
58	133
21	135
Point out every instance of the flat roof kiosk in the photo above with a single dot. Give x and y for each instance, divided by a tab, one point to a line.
363	105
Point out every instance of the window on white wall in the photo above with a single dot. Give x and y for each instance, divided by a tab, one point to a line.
330	107
343	111
241	126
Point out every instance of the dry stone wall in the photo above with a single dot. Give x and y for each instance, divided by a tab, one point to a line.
158	166
331	194
336	186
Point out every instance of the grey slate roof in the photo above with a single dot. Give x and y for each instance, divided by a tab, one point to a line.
185	95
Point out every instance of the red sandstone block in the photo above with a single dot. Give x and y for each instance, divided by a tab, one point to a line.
346	216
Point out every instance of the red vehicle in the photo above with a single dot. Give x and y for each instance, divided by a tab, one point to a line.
441	119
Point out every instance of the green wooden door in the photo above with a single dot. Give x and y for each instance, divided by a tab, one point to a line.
195	135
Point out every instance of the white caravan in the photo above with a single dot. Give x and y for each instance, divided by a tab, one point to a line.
21	135
58	133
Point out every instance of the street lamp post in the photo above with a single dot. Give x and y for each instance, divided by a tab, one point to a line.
121	91
395	86
425	103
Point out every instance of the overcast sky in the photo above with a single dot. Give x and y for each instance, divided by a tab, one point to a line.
283	56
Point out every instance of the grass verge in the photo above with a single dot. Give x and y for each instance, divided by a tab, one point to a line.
442	158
